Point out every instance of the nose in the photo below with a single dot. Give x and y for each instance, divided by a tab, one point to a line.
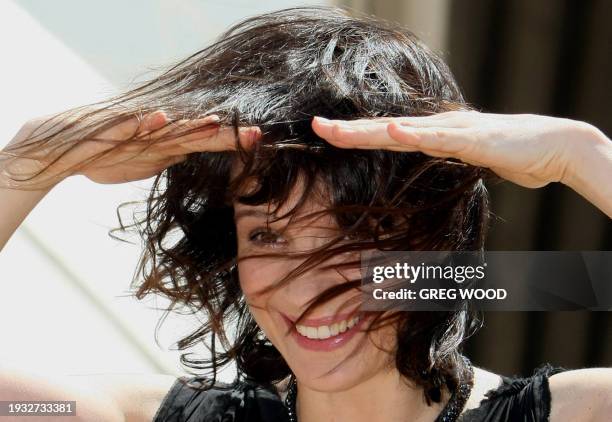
299	291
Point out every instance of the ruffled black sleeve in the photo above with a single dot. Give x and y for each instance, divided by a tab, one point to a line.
517	399
239	402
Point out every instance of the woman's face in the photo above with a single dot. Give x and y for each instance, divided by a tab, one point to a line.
327	351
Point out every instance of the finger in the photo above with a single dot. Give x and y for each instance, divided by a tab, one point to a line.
135	125
440	142
153	121
183	130
121	131
170	139
176	159
433	141
367	135
461	118
353	136
440	139
223	140
391	147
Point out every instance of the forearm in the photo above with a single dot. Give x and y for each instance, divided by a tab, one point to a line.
590	174
15	205
92	404
15	202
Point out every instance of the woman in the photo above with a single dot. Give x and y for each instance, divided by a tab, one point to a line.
261	208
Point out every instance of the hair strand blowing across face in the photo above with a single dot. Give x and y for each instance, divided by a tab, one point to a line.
276	71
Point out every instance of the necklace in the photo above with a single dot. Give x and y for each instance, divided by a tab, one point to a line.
450	413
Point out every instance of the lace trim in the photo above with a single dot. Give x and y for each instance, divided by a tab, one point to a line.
513	385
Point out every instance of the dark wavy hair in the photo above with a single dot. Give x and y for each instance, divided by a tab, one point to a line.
276	71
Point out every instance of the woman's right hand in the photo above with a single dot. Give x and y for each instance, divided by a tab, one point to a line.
124	163
136	160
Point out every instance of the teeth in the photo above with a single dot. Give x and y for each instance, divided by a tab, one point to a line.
311	332
326	331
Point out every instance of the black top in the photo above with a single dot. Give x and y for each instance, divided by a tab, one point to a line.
516	399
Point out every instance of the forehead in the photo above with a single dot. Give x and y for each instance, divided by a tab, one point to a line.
272	210
316	199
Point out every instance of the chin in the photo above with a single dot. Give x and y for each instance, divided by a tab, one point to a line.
335	363
339	380
338	373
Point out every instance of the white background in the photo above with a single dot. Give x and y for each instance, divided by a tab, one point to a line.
63	280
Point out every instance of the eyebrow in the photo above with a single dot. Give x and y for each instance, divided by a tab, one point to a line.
251	212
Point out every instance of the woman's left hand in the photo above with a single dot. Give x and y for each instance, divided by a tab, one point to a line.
527	149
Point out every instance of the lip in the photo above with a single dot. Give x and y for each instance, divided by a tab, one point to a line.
329	320
330	343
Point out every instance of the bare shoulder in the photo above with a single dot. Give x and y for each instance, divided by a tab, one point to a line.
581	394
483	382
99	397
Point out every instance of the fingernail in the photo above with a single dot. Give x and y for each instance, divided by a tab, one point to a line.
323	120
214	118
254	134
158	117
398	125
250	133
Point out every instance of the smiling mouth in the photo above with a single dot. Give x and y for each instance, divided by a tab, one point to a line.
326	331
326	334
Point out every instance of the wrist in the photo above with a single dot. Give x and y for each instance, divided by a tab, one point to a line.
591	168
22	174
591	147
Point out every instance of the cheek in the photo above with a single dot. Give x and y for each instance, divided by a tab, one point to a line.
256	275
386	339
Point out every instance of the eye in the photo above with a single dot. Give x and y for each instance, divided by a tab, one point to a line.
350	237
266	237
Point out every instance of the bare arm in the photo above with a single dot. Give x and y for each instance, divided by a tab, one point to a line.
593	170
102	397
99	397
526	149
127	164
15	205
581	395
